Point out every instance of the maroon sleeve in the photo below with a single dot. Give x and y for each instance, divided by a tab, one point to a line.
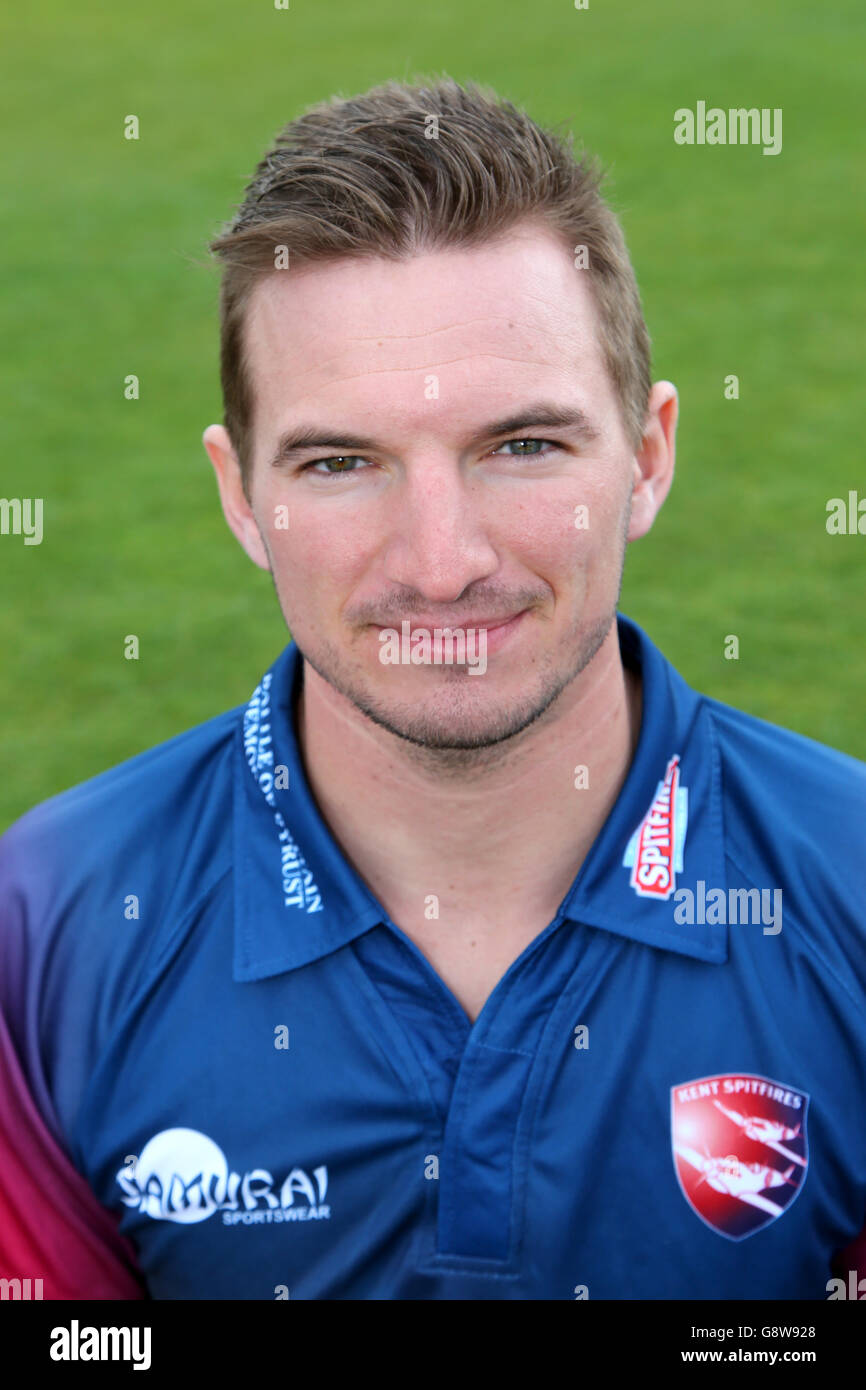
51	1225
852	1257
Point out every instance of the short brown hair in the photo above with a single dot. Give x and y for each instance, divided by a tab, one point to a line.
376	175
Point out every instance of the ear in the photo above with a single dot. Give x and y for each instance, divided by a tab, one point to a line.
236	508
654	461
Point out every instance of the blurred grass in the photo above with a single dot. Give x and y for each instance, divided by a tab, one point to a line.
748	264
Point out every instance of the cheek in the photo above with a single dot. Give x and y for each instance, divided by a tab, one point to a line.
567	538
317	560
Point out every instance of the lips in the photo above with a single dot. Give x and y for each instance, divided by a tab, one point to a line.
492	632
464	624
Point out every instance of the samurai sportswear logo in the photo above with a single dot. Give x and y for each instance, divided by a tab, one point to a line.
740	1150
182	1175
655	851
299	887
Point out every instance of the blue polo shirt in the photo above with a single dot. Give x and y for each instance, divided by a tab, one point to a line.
230	1075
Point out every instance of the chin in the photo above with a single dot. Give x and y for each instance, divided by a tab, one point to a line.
458	718
448	708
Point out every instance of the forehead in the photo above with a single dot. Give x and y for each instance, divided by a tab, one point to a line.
513	314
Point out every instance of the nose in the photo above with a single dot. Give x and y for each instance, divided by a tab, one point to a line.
438	542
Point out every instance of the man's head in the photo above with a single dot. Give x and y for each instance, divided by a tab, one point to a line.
418	280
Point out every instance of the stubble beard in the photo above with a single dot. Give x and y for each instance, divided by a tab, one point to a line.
441	742
459	733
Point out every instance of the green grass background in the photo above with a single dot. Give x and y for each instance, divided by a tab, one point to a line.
747	264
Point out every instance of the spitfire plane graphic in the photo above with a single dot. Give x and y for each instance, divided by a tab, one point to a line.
764	1131
736	1178
726	1133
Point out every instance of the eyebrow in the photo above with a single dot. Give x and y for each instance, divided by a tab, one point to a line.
543	415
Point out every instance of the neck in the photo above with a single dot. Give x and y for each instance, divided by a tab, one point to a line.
412	828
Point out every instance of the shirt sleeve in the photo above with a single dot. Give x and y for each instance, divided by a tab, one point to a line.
51	1225
852	1257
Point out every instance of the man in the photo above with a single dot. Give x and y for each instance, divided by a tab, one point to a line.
477	957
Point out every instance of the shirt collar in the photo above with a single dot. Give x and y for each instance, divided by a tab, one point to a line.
678	744
297	898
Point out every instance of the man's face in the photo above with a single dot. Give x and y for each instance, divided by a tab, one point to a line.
423	503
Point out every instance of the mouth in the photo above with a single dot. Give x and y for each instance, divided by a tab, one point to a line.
492	631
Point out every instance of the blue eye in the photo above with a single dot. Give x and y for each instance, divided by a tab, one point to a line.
341	459
528	453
